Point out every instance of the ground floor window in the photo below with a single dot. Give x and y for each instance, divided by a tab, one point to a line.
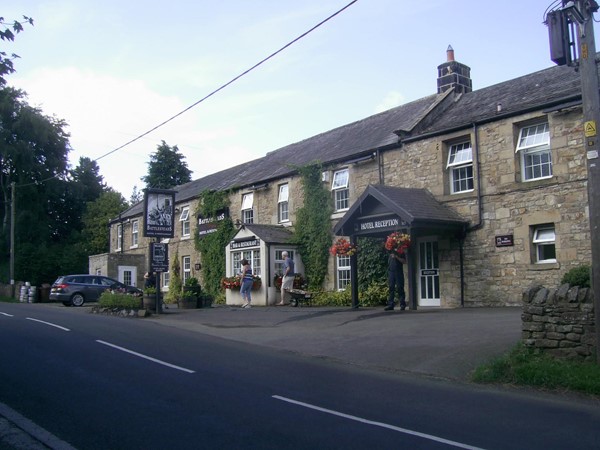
253	257
166	278
343	272
544	242
279	259
186	268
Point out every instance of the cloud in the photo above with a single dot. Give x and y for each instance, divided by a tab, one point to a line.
391	100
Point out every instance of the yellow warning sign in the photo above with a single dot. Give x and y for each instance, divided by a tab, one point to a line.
590	128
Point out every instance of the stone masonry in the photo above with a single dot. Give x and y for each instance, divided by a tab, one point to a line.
560	321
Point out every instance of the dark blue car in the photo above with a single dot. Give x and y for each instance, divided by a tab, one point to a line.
75	290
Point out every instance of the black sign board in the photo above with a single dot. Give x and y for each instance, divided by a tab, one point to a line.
159	257
159	214
505	240
207	225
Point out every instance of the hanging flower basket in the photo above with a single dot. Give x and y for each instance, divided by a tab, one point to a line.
397	242
256	283
343	247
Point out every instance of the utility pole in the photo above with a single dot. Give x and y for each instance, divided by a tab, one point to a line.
12	235
591	119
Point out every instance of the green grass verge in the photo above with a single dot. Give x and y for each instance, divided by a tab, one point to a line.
526	367
8	300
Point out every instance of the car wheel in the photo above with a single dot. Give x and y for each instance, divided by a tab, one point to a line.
67	303
294	302
77	300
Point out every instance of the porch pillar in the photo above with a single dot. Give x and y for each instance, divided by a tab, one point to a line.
354	274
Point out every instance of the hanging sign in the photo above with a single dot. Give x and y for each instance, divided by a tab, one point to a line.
158	213
159	253
207	225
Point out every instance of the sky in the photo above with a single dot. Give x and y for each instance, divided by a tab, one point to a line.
113	70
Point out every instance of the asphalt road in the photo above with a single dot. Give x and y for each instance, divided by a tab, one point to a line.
281	378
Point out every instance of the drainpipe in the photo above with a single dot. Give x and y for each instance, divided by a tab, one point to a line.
478	225
380	165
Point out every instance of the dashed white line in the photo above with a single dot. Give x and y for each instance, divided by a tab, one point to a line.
378	424
48	323
6	314
158	361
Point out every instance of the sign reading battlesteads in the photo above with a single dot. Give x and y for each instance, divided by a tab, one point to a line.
159	213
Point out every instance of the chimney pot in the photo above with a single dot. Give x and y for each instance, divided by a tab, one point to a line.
450	54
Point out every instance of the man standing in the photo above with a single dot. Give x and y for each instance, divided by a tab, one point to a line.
396	280
288	277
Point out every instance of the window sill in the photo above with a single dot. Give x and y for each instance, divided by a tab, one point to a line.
544	266
339	214
133	246
185	238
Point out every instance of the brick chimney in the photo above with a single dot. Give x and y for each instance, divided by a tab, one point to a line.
453	74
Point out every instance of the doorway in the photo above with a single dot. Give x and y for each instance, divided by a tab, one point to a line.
128	275
429	273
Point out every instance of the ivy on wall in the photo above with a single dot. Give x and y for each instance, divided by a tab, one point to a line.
372	262
212	246
313	230
175	284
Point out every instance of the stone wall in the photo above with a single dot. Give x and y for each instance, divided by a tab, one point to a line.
560	321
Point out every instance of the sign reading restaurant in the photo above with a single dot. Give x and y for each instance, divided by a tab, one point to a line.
244	244
375	224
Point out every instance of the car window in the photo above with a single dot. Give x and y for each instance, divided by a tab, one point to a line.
80	280
107	282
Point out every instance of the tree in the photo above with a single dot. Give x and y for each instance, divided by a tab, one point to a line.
95	220
167	168
136	196
8	34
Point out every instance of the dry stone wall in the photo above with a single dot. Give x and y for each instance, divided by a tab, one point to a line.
560	321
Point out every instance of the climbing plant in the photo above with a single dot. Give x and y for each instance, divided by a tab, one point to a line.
313	232
212	246
372	261
175	283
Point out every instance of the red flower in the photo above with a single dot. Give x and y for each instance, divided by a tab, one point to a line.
342	247
397	242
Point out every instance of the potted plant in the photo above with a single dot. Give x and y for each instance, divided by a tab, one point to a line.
149	298
188	300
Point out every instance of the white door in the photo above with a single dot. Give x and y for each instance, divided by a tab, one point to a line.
429	273
128	275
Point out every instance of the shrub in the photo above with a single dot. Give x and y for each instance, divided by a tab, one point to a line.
578	276
375	295
118	300
332	298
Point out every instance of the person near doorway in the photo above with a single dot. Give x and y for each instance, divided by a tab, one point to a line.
247	282
288	277
149	280
396	263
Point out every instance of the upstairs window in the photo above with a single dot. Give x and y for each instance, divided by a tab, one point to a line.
184	218
460	167
135	233
544	243
340	190
282	204
119	237
534	150
247	208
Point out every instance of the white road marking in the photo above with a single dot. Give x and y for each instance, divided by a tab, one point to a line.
378	424
6	314
48	323
183	369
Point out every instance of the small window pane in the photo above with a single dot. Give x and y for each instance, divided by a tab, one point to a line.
283	193
340	179
534	136
460	154
247	201
185	214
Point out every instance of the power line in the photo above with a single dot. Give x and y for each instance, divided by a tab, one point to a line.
230	82
233	80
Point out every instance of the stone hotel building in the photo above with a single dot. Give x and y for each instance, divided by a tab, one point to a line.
491	185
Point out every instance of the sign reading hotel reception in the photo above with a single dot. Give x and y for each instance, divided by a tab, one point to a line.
158	213
365	225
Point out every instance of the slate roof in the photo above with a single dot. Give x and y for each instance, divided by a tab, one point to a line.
434	114
271	234
417	207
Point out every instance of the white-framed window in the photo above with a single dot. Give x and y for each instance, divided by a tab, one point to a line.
341	193
166	279
119	236
253	257
184	218
460	167
343	272
544	243
186	268
247	208
135	230
282	204
279	260
534	150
